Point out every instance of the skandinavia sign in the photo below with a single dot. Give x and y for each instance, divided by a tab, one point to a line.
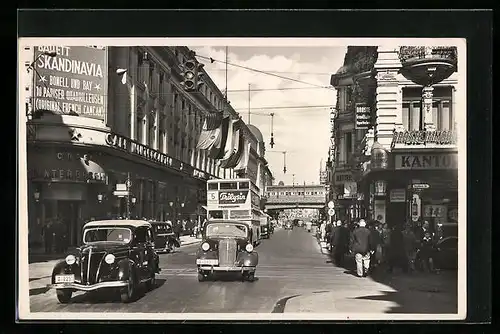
75	80
233	197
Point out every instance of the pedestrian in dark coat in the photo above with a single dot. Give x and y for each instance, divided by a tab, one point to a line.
397	256
375	242
361	247
48	236
335	243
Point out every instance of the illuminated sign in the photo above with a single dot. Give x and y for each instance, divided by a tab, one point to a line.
425	137
363	117
75	80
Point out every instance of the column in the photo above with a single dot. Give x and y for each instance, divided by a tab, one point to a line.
387	103
453	103
133	109
157	126
427	108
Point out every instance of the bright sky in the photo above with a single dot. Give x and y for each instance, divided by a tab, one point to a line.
302	132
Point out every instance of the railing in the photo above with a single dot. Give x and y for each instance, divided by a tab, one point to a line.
408	53
422	137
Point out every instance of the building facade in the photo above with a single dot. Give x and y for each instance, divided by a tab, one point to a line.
396	134
103	118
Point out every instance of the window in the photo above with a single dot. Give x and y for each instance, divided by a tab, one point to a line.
140	235
244	185
442	115
229	185
150	77
183	104
348	145
139	129
213	186
160	84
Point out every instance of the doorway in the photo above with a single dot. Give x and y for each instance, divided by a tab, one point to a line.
69	212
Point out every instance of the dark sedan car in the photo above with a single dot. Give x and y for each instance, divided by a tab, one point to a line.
116	254
227	247
446	253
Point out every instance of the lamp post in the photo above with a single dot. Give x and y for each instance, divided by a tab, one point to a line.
172	210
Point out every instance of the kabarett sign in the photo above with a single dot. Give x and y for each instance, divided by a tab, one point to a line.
233	197
426	161
74	80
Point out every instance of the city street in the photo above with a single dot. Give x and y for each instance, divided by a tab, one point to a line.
292	276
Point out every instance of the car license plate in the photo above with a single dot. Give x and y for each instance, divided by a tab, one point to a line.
65	278
210	262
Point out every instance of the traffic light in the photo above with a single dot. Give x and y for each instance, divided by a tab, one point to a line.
193	75
189	75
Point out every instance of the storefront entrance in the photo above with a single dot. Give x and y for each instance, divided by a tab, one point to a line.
69	214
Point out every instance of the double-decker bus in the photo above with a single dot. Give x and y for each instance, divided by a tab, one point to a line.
236	199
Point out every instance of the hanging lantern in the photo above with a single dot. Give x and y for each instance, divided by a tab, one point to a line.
380	188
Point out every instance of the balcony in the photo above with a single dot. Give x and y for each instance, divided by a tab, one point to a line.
427	66
424	139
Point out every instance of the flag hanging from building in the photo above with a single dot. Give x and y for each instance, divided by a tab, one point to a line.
211	131
232	141
238	148
245	155
217	150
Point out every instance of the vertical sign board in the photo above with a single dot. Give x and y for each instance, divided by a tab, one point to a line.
75	80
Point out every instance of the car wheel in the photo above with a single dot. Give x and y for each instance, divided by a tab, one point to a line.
127	294
151	284
249	276
201	277
64	296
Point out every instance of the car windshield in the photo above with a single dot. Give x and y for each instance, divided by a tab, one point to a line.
226	230
107	234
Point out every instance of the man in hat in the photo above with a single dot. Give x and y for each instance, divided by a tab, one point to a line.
360	246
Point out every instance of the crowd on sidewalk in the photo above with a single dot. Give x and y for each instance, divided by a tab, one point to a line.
375	246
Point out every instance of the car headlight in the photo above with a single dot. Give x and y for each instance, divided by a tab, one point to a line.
70	259
110	258
249	248
205	246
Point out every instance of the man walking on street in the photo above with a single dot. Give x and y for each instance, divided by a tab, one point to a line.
335	243
360	246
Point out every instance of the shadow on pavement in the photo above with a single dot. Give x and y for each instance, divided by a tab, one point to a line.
417	292
111	295
38	291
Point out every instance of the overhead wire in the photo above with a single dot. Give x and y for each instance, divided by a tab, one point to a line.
212	60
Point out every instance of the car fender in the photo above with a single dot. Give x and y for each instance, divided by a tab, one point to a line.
124	268
59	268
248	259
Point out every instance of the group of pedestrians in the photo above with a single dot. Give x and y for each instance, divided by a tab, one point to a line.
375	245
55	236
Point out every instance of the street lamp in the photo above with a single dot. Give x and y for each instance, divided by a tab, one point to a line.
182	205
133	199
100	198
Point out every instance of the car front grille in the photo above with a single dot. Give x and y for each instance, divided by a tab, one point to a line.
90	264
227	252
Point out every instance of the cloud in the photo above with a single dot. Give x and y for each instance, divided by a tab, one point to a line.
302	132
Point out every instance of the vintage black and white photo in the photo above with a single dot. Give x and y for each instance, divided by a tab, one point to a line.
242	178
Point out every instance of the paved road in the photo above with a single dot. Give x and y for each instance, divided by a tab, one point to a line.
290	264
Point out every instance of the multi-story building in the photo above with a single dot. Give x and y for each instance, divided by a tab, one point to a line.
400	104
100	119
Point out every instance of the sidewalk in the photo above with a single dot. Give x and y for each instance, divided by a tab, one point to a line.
41	264
397	293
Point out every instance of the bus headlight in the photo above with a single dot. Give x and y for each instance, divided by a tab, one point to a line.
249	248
205	246
110	258
70	259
